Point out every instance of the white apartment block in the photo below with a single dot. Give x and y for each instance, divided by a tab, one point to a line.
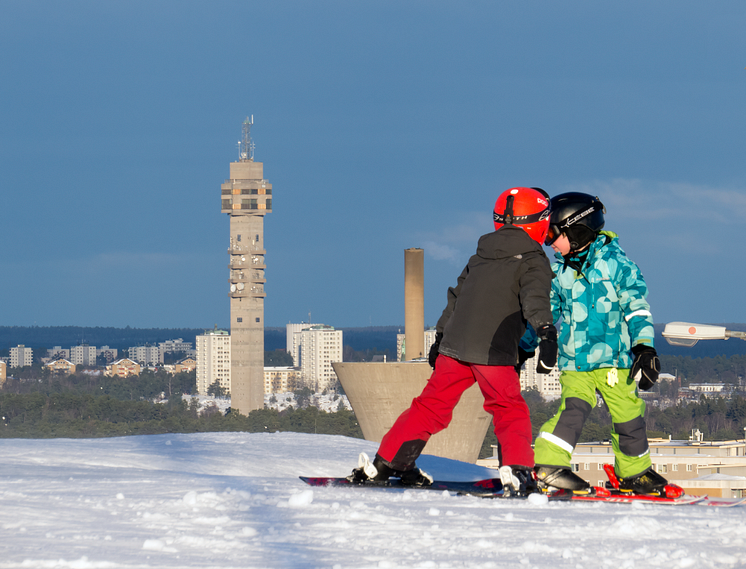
292	340
401	348
281	379
146	355
213	360
177	345
547	384
58	353
320	346
109	354
21	356
83	355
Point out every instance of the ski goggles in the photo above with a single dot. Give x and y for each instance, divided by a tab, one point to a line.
552	234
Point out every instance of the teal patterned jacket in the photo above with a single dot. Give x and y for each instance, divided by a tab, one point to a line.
604	312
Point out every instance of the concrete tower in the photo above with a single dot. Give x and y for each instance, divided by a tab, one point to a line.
247	198
414	304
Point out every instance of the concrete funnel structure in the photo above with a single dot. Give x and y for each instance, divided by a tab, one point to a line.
380	392
414	304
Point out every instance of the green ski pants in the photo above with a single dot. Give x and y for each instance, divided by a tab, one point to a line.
559	435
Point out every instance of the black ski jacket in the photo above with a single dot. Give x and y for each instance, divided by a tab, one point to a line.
505	284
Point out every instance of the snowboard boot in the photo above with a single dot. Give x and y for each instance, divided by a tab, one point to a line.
380	471
647	482
518	480
550	478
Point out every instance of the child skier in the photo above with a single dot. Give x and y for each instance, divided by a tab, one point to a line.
605	344
504	285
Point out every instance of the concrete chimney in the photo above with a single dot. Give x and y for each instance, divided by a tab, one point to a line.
414	304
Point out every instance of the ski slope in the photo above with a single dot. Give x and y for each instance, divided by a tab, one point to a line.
233	500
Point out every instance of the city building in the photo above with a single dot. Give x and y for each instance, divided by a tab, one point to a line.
61	366
320	346
547	384
83	355
401	344
187	364
214	361
107	353
58	352
281	379
21	356
3	371
715	468
146	355
122	368
176	346
292	340
246	197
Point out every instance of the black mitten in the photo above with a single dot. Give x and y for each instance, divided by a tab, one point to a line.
433	355
547	348
646	366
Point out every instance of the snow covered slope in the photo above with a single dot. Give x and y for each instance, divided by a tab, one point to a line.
234	500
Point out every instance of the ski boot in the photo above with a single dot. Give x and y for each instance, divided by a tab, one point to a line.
518	480
552	478
379	471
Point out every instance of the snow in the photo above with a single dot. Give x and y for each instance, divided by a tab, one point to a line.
234	500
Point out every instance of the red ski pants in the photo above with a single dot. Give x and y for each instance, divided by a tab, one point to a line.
432	411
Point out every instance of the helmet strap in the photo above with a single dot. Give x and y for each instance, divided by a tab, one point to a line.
509	211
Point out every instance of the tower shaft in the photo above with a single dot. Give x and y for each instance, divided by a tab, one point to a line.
247	198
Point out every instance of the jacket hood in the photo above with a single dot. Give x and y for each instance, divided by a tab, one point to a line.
508	241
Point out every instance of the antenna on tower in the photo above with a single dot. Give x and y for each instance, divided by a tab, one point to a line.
246	146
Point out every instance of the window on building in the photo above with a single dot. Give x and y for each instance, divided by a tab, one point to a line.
238	238
258	319
239	319
689	467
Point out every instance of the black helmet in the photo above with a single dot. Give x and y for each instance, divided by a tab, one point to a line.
579	216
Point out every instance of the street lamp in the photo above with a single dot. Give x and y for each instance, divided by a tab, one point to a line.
687	334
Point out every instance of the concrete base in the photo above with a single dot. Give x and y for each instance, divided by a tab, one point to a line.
380	392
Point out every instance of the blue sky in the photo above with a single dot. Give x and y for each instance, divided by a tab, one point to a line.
382	126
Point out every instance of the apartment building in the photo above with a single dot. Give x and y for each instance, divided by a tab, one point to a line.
21	356
122	368
146	355
58	352
61	366
281	379
320	346
715	468
547	384
83	355
401	347
213	360
108	354
174	346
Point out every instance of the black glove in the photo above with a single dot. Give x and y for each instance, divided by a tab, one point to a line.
646	366
433	355
547	348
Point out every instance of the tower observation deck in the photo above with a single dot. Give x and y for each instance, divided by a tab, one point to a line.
246	197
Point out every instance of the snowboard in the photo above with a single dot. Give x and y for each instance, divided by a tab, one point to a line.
493	488
487	488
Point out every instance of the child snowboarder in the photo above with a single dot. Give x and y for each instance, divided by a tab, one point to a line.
605	344
504	285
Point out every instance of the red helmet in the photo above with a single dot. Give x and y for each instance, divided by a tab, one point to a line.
527	208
